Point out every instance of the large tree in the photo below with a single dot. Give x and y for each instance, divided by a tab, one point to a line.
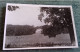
57	18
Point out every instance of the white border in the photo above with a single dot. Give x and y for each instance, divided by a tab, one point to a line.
66	6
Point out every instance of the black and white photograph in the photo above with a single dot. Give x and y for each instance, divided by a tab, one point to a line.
32	26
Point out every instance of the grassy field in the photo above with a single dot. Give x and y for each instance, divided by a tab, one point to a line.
37	40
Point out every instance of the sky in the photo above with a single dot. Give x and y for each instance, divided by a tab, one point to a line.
24	15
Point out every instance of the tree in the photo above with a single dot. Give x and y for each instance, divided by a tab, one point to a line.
59	18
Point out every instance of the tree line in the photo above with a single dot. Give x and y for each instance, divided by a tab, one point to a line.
17	30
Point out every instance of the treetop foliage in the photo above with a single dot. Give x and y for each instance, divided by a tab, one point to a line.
12	8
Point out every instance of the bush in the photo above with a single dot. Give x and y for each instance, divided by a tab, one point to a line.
52	31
